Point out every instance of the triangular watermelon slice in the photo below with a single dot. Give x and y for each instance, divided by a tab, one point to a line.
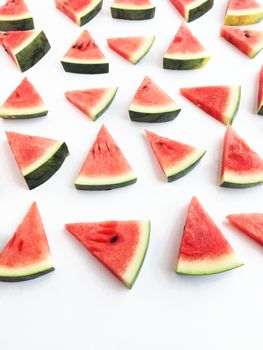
221	102
27	254
250	42
192	9
133	48
175	158
15	15
204	250
92	102
250	224
132	9
241	166
243	12
260	93
24	102
25	48
185	51
85	57
79	11
38	158
120	246
105	167
152	105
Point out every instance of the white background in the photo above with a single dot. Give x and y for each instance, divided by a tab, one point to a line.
81	305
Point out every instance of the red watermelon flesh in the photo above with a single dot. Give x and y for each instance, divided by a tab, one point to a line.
119	245
240	165
181	5
85	49
250	42
243	5
260	92
136	3
250	224
221	102
14	8
27	253
204	249
11	41
30	150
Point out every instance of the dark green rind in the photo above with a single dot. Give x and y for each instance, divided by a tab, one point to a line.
209	273
33	53
13	25
25	278
139	269
239	186
260	111
185	171
200	10
105	186
24	116
169	63
153	117
48	169
94	68
134	15
107	106
90	15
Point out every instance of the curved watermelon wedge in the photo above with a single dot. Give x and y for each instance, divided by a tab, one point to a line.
152	105
220	102
241	166
105	167
250	42
250	224
25	48
175	158
27	254
132	49
192	9
243	12
92	102
260	93
185	51
204	250
38	158
15	15
85	57
79	11
120	246
24	102
132	9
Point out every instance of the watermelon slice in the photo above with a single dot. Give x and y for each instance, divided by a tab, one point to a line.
204	250
221	102
151	104
250	42
25	48
175	158
85	57
260	93
250	224
132	49
105	167
79	11
192	9
185	51
15	15
120	246
241	167
25	102
38	158
132	9
92	102
26	255
243	12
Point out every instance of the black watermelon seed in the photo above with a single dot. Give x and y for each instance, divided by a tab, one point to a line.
114	239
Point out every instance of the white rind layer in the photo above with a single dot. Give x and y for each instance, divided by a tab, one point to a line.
187	56
192	6
22	111
109	95
100	181
84	61
233	102
15	17
87	9
131	6
148	42
235	178
153	109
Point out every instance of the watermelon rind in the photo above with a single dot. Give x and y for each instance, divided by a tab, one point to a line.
31	51
24	22
97	184
153	114
233	105
99	66
129	12
25	113
183	168
185	62
90	12
132	271
243	17
235	180
209	266
197	9
260	111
